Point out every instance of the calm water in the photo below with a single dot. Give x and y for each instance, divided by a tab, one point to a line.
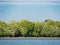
29	42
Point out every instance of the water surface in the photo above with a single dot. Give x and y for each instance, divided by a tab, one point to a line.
29	42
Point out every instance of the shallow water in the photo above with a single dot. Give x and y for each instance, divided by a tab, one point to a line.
30	42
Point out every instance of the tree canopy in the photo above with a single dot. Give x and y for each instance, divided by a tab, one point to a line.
26	28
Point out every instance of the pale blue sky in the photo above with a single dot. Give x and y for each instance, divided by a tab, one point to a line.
29	0
33	12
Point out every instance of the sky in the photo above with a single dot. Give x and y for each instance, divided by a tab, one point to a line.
33	11
29	0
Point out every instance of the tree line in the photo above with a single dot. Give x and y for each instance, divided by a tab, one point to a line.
26	28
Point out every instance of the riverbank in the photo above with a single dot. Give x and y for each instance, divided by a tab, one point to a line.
29	38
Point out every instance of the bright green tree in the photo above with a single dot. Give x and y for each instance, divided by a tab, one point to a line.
26	27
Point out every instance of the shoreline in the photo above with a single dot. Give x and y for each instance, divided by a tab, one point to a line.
29	38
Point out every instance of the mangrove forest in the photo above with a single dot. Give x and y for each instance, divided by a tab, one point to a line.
26	28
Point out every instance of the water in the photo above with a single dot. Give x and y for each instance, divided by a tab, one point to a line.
30	42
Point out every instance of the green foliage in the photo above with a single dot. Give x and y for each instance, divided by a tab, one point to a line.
50	29
3	29
18	33
26	28
37	29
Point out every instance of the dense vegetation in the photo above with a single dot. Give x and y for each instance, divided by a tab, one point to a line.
25	28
